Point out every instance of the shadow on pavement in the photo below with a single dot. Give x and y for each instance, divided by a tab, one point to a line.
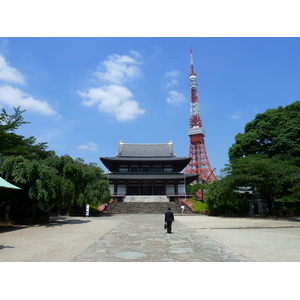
59	221
2	247
8	228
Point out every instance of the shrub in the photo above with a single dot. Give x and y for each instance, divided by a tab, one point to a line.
199	206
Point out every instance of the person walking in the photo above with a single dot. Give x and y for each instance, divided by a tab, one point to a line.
169	218
182	209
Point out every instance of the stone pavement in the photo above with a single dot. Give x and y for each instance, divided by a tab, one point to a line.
141	238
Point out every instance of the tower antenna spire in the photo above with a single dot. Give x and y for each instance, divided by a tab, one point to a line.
199	163
192	62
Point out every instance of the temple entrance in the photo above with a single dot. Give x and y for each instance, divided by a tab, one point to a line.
146	190
159	190
133	190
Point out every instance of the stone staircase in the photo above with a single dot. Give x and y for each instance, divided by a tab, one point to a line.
158	198
146	208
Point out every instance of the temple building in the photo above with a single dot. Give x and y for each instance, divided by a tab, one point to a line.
147	169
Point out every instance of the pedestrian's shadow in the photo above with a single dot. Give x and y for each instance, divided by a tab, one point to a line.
2	247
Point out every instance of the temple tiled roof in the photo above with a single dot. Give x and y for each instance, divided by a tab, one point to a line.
112	163
145	150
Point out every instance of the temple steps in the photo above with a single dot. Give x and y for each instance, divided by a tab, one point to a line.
145	208
146	198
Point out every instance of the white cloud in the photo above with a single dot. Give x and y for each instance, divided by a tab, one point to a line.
175	97
14	97
170	79
236	116
90	146
9	74
113	99
119	69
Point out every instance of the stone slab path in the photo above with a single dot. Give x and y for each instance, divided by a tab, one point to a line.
142	238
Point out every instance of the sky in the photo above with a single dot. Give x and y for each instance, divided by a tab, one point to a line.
84	95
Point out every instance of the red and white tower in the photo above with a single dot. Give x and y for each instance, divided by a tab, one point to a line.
199	163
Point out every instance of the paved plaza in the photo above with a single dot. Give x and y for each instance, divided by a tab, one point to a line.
142	238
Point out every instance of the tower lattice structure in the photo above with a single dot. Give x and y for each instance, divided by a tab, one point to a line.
199	163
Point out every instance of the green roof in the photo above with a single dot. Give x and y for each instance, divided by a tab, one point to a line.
6	185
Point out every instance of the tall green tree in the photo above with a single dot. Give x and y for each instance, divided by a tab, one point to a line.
46	180
14	144
274	133
58	182
274	178
266	156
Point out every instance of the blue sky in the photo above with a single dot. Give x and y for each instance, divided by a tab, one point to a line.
84	95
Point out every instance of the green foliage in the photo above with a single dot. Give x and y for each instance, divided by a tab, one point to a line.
266	156
59	182
274	133
221	198
9	123
13	144
194	188
47	181
278	183
199	206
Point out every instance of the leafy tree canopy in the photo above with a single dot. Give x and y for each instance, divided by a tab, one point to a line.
14	144
265	156
46	180
274	133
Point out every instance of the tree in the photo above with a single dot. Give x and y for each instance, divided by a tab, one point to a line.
40	184
274	133
14	144
59	182
266	156
10	123
46	180
221	197
275	179
195	189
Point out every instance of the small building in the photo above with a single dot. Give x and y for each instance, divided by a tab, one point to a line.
147	169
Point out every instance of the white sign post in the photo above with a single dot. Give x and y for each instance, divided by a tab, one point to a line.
87	210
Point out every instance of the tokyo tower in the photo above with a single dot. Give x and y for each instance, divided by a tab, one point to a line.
199	163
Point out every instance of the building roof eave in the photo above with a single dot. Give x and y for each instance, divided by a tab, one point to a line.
112	162
188	178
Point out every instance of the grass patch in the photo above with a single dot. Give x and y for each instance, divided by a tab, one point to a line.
199	206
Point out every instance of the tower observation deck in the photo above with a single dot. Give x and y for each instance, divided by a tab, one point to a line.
199	163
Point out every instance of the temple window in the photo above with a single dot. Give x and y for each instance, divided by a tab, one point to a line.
123	169
157	168
168	169
146	168
134	168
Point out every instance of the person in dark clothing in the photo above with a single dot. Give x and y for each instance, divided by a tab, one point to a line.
169	218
